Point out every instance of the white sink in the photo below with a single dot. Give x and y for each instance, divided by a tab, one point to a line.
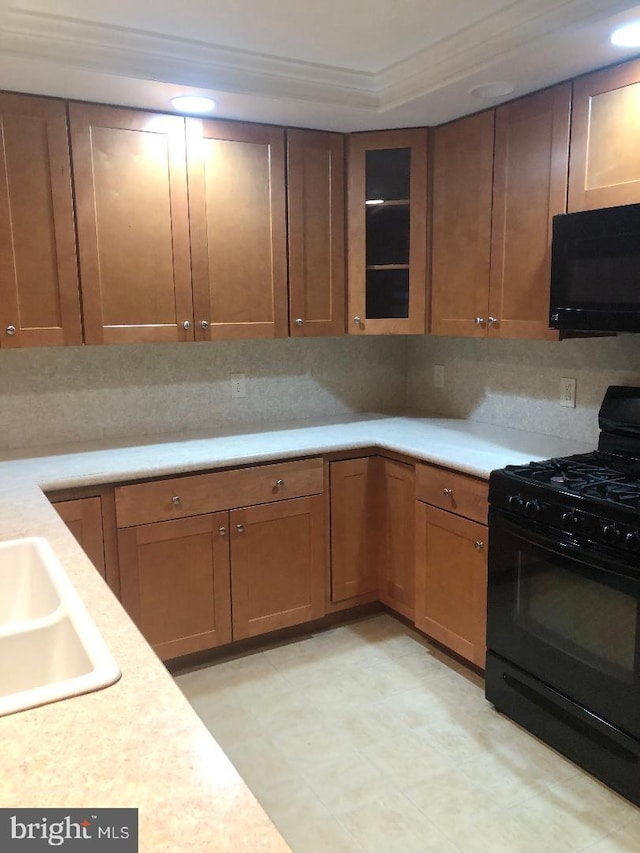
50	648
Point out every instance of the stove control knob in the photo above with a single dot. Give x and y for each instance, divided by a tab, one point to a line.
532	508
610	533
515	502
570	520
633	540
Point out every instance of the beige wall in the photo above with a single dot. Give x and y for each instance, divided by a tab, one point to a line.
54	395
517	383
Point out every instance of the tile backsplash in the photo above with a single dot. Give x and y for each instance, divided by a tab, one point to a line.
81	393
67	394
517	383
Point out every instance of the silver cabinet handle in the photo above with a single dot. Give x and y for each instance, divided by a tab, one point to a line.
11	330
357	321
478	545
299	321
186	324
448	493
204	324
240	528
492	321
222	531
175	500
279	484
479	321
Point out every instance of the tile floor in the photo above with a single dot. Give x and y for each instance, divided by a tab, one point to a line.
365	738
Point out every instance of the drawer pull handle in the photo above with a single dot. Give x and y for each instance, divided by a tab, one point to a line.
240	528
222	531
478	545
448	493
175	500
279	484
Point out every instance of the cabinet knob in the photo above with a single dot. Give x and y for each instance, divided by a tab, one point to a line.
240	528
299	322
448	493
222	531
357	321
478	545
11	330
204	324
492	321
186	324
279	484
175	500
479	321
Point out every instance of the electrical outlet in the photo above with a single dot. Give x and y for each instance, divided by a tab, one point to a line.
568	392
238	385
438	375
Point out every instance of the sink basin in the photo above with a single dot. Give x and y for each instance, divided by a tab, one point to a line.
50	648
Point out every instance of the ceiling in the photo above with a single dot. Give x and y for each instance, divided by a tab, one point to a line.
336	64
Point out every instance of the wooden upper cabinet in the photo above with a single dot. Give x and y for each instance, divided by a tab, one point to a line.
315	185
530	187
605	139
133	227
387	232
461	236
238	229
39	298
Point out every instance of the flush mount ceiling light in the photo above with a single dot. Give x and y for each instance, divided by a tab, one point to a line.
490	91
627	35
193	104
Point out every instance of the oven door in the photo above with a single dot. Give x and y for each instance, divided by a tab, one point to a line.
568	614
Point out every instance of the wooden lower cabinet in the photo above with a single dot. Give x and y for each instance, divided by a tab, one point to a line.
277	565
91	519
354	568
175	582
451	581
394	524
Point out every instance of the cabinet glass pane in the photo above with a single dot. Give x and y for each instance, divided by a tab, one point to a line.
387	293
387	234
388	174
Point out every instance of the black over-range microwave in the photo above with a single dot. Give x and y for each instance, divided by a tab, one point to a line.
595	270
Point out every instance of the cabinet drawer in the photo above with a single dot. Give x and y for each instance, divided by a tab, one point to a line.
452	491
178	497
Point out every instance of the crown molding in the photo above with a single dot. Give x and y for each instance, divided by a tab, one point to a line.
490	40
147	55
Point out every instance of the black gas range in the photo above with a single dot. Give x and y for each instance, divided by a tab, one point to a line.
563	618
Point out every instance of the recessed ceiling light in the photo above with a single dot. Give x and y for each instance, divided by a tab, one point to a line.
489	91
627	36
193	104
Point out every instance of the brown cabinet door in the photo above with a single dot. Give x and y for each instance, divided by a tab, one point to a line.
530	187
175	583
133	226
83	517
461	234
277	565
396	536
315	186
604	168
451	581
387	239
39	297
238	232
354	569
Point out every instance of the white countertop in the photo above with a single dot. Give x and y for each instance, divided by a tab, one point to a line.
138	743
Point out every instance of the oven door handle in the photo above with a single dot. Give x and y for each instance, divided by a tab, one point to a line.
586	551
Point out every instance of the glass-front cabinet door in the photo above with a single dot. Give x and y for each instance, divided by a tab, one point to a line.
387	232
